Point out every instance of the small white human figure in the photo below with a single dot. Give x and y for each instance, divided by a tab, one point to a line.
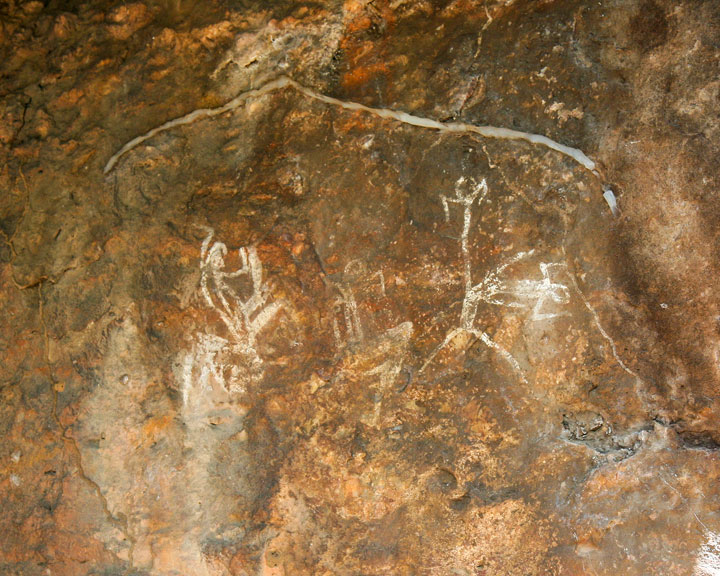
243	317
346	305
467	193
218	363
543	292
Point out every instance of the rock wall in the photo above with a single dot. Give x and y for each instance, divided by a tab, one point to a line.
359	288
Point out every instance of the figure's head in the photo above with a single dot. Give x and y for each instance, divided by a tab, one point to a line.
216	256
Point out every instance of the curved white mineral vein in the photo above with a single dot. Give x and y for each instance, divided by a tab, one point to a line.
284	81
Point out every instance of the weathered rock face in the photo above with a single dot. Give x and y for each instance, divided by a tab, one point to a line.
327	326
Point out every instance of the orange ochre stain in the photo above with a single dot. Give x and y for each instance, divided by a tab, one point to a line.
362	75
153	427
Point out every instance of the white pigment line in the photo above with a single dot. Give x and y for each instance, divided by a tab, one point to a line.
504	353
605	335
707	562
284	81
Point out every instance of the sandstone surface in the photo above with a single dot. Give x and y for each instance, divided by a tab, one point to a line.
385	287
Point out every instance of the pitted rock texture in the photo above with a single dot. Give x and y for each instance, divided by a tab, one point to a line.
295	337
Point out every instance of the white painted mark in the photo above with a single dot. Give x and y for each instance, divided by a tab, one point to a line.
204	369
346	307
544	292
381	279
395	337
467	193
493	289
243	317
353	325
707	562
600	328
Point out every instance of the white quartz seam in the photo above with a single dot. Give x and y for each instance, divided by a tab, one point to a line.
284	81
